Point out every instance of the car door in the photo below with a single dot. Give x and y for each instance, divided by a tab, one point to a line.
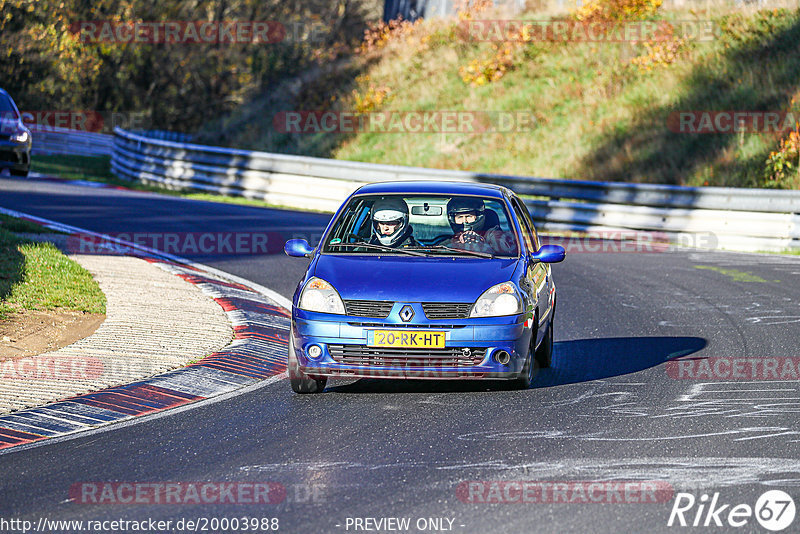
538	274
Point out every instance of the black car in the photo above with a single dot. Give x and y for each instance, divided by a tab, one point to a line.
15	138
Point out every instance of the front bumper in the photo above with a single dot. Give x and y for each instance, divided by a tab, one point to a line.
14	155
470	347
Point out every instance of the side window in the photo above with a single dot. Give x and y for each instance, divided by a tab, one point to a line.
362	227
349	221
526	216
526	230
500	214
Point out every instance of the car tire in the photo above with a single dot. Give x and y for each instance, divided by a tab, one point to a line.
530	368
20	173
528	373
544	354
300	381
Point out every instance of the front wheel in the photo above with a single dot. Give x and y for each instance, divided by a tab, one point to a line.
301	382
528	372
544	354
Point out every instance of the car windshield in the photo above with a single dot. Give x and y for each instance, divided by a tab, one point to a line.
7	109
429	225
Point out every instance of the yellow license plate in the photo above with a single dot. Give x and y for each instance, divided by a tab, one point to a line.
407	340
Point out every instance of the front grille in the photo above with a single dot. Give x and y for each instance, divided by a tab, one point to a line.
380	309
409	358
446	310
368	308
394	326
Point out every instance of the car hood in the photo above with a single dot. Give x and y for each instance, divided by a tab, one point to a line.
413	279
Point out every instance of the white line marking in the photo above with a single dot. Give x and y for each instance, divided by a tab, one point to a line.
134	420
279	299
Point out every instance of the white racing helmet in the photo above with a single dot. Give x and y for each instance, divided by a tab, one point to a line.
390	210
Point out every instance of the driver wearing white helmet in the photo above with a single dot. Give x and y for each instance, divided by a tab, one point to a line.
390	224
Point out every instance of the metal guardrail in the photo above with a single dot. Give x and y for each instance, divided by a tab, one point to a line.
55	140
739	219
165	135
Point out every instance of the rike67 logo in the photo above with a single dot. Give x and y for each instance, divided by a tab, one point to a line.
774	510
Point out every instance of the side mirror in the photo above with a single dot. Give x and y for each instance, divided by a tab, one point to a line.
298	248
549	254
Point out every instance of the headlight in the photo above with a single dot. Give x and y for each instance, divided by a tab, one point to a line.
501	299
21	137
320	296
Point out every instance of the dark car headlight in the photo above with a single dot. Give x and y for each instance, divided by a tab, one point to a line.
21	137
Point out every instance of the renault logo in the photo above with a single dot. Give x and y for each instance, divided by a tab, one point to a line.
406	313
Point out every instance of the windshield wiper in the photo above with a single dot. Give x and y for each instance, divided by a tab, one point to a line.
458	250
410	252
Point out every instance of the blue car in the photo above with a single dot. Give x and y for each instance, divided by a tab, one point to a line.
425	280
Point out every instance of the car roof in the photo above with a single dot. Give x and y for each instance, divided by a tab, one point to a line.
433	187
5	93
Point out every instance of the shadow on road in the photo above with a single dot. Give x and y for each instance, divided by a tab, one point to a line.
580	360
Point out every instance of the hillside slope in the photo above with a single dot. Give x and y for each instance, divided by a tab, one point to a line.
600	110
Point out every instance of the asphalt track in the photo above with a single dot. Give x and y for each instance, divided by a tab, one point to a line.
607	410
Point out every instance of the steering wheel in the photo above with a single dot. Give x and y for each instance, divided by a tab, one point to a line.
472	237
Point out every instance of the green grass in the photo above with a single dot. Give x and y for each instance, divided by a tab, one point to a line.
790	252
37	276
21	226
93	168
734	274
